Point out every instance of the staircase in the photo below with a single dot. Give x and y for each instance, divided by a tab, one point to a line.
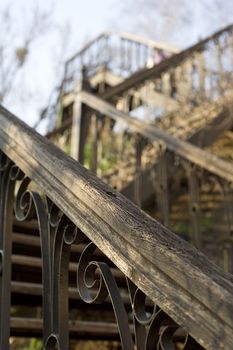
80	261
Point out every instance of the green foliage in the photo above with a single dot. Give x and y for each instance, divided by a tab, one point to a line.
109	155
96	345
88	155
205	221
35	344
181	227
25	344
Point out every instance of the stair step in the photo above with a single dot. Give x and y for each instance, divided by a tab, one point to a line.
36	263
35	290
29	327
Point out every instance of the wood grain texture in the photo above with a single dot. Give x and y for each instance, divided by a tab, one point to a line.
183	282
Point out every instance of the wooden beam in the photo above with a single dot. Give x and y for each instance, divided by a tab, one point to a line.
204	159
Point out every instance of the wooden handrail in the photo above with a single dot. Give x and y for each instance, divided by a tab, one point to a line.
186	150
182	281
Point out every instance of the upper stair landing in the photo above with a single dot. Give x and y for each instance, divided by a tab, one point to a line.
198	74
121	53
107	61
205	66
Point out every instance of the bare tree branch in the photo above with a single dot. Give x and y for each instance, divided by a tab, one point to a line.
16	40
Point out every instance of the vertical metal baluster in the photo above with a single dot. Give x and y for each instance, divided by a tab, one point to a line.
139	329
121	54
138	56
130	57
60	299
7	200
3	180
107	54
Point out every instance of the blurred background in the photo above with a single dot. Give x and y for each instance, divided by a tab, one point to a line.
37	37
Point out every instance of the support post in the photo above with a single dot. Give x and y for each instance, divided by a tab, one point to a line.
194	205
162	185
80	122
97	144
138	173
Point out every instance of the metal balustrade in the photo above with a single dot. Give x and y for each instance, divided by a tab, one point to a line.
121	53
202	71
71	208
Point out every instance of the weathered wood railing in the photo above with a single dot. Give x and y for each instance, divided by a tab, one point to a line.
72	206
209	178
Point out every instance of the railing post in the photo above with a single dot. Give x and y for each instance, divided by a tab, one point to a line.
80	122
162	185
138	173
201	73
187	79
219	66
194	205
97	144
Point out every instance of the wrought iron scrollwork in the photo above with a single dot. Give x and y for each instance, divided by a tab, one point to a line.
105	286
57	234
153	329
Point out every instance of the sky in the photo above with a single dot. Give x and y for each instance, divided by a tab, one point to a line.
73	22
